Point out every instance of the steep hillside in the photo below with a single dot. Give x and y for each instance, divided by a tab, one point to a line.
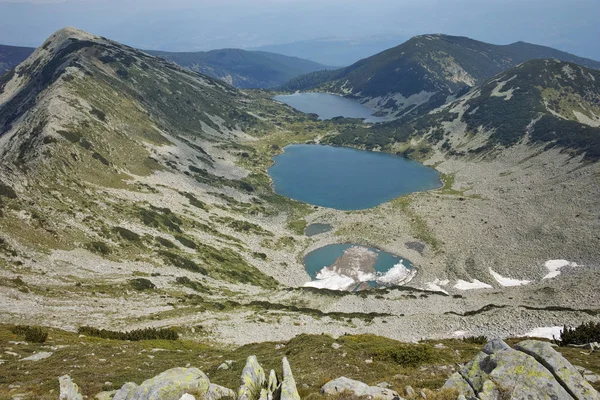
426	68
244	69
547	102
105	151
11	56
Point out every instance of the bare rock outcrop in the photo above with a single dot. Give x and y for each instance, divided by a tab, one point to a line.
532	370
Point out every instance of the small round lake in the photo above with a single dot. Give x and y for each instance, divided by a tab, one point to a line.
345	178
328	106
354	267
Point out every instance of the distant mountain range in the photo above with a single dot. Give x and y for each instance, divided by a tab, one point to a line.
11	56
425	69
244	69
335	51
240	68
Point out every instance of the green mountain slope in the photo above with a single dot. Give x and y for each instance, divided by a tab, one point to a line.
11	56
89	132
540	102
244	69
426	68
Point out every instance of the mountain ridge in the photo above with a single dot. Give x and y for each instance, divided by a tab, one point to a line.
243	68
425	69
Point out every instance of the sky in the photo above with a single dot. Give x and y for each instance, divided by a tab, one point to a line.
188	25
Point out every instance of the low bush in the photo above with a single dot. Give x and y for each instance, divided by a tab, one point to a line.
134	335
411	356
142	284
33	334
475	339
583	334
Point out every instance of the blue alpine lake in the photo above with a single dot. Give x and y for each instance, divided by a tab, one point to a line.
328	106
347	179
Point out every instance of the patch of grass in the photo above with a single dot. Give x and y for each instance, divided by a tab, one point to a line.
166	242
418	225
34	334
297	226
194	285
411	356
194	201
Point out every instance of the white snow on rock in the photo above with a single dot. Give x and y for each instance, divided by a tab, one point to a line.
464	285
508	281
327	279
397	275
554	267
548	332
459	334
436	286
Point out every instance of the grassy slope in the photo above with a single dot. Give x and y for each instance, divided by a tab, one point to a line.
93	361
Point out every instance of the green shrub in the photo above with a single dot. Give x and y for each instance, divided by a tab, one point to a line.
475	339
166	242
7	191
134	335
186	242
406	355
98	247
33	334
142	284
127	234
583	334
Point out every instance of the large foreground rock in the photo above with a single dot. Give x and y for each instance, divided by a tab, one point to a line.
564	372
289	391
68	389
253	380
358	389
533	371
170	385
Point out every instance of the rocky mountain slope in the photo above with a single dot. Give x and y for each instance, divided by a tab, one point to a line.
11	56
244	69
426	68
134	194
545	103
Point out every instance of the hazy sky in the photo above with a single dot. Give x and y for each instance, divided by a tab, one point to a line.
570	25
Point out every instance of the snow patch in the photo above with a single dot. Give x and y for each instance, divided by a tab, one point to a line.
464	285
459	334
327	279
397	275
554	267
508	281
548	332
436	286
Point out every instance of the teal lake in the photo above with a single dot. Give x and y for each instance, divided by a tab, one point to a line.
347	179
328	106
320	258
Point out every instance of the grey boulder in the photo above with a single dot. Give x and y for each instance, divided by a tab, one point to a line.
358	389
68	389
